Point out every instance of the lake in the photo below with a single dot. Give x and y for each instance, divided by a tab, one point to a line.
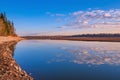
69	60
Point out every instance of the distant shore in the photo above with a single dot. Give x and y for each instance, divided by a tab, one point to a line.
102	39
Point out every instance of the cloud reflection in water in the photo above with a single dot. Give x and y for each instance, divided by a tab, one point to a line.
93	54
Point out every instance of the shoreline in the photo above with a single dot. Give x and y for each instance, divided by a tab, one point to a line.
9	69
9	39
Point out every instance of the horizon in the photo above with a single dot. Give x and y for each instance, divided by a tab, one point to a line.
37	17
110	34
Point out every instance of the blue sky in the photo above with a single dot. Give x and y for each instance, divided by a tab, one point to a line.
56	16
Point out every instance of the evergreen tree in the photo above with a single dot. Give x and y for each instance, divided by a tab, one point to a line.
6	26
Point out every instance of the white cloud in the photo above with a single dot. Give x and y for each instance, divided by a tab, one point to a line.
85	22
89	19
107	15
83	19
77	13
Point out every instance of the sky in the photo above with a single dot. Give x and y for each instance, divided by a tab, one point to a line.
63	17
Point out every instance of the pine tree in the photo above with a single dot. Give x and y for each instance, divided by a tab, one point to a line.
7	27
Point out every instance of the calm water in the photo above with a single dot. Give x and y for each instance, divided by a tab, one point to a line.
69	60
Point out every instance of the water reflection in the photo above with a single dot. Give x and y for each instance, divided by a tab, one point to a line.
91	54
69	60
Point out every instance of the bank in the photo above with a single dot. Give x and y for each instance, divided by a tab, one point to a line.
9	69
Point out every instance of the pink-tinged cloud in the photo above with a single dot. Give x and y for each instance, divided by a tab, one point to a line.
94	18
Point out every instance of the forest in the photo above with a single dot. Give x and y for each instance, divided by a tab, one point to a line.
6	26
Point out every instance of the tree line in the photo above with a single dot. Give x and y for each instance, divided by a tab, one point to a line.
6	26
97	35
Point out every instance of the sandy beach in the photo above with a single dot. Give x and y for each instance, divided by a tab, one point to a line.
9	39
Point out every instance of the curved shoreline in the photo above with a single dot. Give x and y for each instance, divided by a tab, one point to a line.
9	69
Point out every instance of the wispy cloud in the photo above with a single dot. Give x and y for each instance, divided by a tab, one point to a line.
55	14
94	18
89	21
61	27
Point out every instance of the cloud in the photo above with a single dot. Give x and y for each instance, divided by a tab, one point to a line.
88	19
60	15
55	14
62	27
93	18
107	15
